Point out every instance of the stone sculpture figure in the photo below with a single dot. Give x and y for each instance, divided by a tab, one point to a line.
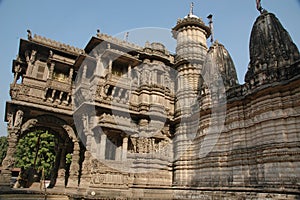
9	120
18	119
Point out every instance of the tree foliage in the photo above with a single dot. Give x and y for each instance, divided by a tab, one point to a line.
3	148
37	150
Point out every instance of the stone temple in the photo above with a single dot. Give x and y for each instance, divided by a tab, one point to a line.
143	123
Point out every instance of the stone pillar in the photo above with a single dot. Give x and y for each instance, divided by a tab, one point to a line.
60	181
129	71
51	70
74	168
124	148
13	128
55	168
86	165
83	75
110	66
102	146
9	160
118	155
71	75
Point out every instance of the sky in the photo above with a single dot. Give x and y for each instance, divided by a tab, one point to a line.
74	22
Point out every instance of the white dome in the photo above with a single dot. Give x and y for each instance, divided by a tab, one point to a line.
191	16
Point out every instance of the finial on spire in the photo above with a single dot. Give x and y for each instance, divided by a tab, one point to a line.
191	9
98	33
29	34
126	36
258	6
209	17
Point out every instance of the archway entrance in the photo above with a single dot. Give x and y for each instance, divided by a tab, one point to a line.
40	153
45	147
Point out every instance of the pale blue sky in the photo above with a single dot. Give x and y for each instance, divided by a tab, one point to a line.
74	22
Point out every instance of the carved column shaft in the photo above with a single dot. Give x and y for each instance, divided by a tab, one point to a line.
51	70
83	76
102	146
74	168
109	66
129	71
62	165
8	162
124	148
56	167
71	74
12	140
86	165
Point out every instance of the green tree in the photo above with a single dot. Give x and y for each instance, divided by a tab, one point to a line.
36	149
3	148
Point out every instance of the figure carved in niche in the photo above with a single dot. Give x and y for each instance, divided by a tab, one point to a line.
50	54
30	60
9	120
18	118
85	122
134	144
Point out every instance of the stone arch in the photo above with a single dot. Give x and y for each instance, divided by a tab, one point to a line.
67	143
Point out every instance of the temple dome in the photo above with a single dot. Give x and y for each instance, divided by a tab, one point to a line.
219	62
271	47
191	16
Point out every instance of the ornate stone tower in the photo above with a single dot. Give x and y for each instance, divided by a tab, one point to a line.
191	34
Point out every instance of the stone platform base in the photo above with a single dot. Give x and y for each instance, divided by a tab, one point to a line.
146	194
32	197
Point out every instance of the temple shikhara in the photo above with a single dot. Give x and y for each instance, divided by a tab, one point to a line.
143	123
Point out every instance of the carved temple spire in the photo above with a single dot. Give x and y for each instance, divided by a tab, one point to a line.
271	47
